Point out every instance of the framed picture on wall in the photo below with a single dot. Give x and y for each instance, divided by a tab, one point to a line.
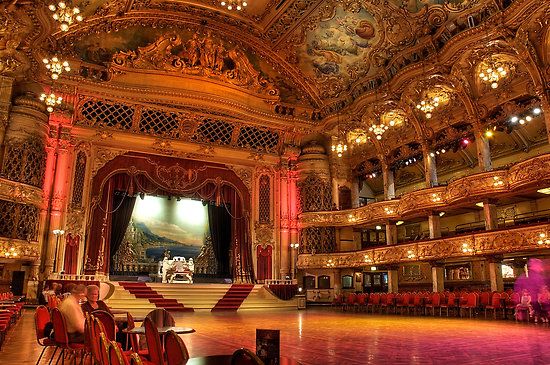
358	277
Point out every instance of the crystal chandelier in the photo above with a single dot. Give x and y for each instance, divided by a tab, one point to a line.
427	106
65	14
56	66
234	4
378	130
51	100
339	148
493	71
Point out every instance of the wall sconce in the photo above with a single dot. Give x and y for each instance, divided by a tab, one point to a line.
497	181
466	248
436	198
543	239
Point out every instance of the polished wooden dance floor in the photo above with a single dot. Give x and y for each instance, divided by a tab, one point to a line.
324	336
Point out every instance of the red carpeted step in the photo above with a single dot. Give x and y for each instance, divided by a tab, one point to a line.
141	290
233	298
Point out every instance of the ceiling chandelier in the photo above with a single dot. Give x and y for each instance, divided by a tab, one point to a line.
378	130
427	106
492	71
234	4
339	148
358	136
51	100
65	14
56	66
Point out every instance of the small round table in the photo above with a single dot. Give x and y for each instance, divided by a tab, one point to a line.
161	330
226	360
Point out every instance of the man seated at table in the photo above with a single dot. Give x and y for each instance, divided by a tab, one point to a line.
93	303
72	312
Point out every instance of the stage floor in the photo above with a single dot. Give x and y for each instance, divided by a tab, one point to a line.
323	336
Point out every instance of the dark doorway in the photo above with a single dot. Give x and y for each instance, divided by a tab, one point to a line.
375	282
17	282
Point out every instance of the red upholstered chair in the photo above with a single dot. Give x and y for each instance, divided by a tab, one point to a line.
338	300
176	351
403	302
434	303
154	345
350	301
485	299
115	355
495	305
133	338
416	302
471	303
161	318
108	322
61	337
374	301
135	359
450	303
245	357
104	348
41	319
388	304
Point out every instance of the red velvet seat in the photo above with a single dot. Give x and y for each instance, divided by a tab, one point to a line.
450	303
374	302
41	319
470	305
495	305
434	303
61	337
176	351
154	345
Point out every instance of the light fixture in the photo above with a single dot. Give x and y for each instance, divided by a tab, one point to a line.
466	248
372	175
330	263
294	246
497	181
368	260
339	148
441	214
378	228
56	66
51	100
398	223
493	71
65	14
436	198
357	136
489	133
234	4
10	252
378	130
388	211
537	111
410	254
543	239
373	268
351	218
480	204
544	191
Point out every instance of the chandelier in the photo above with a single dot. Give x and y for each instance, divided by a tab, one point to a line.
51	100
492	71
65	14
427	106
234	4
378	130
339	148
56	66
10	252
357	136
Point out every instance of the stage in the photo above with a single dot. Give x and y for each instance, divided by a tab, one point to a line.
139	298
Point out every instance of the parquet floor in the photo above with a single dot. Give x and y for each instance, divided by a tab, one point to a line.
327	337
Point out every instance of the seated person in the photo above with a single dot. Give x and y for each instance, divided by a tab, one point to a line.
524	304
93	303
72	312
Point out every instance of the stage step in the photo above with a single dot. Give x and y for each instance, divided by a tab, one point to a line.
234	297
141	290
199	297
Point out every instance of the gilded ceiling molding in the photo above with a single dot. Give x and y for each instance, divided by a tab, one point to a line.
528	174
475	245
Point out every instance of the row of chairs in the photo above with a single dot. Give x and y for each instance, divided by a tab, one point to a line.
9	313
425	302
100	344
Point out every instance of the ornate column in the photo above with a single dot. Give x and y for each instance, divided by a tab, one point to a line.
438	277
495	273
430	168
434	224
490	214
391	233
483	151
6	90
545	106
389	184
393	280
285	222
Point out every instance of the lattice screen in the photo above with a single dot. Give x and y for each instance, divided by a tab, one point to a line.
78	181
25	162
109	114
18	221
258	139
317	240
214	131
315	194
264	200
158	122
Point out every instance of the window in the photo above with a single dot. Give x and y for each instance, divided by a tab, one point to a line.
309	282
507	272
347	282
323	282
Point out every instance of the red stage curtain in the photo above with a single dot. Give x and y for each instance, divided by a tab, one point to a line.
264	262
70	262
134	172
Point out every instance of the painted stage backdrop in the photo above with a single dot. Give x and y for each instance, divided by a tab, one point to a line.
159	224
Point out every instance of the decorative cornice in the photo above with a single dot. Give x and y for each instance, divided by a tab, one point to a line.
479	244
20	193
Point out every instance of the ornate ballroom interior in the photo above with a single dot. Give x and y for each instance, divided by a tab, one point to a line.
363	145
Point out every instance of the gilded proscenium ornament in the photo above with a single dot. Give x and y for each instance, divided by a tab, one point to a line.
479	244
531	173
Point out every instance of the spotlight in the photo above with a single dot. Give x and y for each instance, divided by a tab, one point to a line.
489	134
441	214
465	141
514	119
378	228
537	111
